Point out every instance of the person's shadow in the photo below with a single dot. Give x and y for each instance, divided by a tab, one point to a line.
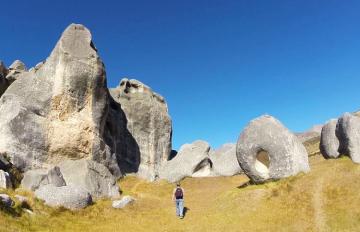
186	209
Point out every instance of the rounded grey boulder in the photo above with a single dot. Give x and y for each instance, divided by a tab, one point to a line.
224	160
71	197
348	132
191	160
329	143
266	150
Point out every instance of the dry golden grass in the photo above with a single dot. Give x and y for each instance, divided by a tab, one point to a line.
326	199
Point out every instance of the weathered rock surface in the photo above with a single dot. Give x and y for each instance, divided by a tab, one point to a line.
34	179
5	181
348	133
190	159
71	197
94	177
224	161
119	204
148	124
266	150
329	143
16	69
3	81
6	200
58	111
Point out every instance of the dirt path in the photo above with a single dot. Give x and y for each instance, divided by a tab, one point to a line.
318	204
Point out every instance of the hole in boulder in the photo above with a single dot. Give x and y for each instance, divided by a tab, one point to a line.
262	163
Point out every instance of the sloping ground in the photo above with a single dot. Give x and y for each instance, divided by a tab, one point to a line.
326	199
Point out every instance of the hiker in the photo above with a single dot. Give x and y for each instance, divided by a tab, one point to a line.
178	198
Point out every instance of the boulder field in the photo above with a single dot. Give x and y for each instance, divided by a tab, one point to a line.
67	137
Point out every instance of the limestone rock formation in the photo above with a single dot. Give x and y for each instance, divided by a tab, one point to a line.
224	161
125	200
16	69
71	197
148	129
34	179
266	150
348	132
190	159
329	143
5	181
58	110
94	177
3	81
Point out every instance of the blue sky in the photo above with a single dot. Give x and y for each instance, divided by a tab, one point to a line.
219	64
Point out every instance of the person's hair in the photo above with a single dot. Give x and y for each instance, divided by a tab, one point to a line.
178	184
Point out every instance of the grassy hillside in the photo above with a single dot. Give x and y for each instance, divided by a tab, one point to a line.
326	199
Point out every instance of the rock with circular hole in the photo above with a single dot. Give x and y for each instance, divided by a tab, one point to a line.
190	159
329	143
348	132
224	161
266	150
147	131
71	197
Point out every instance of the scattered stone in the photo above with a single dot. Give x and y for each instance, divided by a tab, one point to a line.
348	132
190	159
224	161
21	199
6	200
91	176
148	129
119	204
5	181
266	150
71	197
329	143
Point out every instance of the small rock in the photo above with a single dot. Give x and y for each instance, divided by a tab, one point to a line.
119	204
5	181
6	200
21	198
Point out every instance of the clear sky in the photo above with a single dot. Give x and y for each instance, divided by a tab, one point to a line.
219	64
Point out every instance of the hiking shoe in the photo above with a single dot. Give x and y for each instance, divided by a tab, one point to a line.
181	217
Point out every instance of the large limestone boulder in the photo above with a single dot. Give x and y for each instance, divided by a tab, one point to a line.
71	197
147	132
224	161
58	110
94	177
3	81
120	204
190	159
329	143
348	132
266	150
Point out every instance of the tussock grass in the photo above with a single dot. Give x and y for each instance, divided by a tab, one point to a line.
326	199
